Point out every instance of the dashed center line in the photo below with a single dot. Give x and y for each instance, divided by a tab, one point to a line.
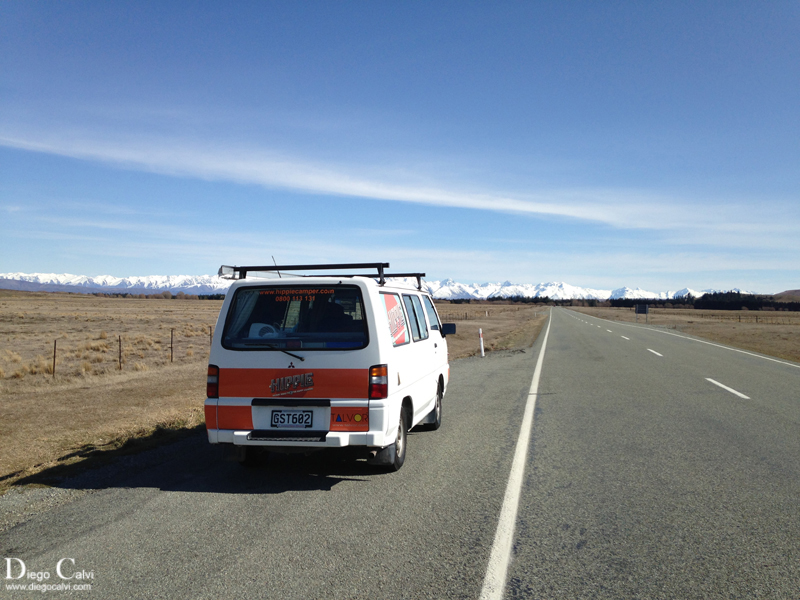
726	388
625	338
654	352
609	331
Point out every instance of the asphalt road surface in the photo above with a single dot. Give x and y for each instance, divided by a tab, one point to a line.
659	466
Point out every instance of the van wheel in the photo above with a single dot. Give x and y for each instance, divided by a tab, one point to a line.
433	420
399	454
393	456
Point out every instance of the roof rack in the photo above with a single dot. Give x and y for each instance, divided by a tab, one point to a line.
232	272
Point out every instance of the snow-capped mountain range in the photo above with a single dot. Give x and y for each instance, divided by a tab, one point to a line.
213	284
451	290
150	284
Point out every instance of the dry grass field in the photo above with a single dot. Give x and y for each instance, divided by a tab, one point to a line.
775	333
91	403
505	326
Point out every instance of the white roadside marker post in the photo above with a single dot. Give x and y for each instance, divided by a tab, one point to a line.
480	334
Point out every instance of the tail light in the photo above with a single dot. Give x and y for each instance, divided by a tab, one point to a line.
212	383
378	382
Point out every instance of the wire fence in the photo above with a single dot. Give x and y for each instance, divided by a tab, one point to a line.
763	319
104	352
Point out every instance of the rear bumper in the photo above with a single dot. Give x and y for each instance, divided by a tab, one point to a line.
242	422
323	439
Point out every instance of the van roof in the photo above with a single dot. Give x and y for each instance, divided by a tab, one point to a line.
238	273
391	284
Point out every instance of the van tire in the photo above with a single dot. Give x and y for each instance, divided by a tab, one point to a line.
398	449
393	456
433	420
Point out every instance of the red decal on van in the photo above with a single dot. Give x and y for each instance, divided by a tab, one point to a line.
397	320
272	383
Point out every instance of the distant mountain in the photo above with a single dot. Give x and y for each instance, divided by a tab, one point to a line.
788	296
640	294
213	284
151	284
451	290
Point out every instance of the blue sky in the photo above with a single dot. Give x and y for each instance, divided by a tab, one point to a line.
598	143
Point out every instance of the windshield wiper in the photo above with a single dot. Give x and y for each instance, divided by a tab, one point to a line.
298	357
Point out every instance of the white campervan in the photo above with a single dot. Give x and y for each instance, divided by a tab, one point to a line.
305	362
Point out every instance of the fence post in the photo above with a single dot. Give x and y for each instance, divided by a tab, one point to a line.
171	339
55	345
120	352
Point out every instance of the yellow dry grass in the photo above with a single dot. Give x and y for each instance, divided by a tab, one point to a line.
91	402
505	326
93	335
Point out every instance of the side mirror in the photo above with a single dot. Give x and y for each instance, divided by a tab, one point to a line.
448	328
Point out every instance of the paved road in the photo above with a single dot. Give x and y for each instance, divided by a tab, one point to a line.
646	480
643	480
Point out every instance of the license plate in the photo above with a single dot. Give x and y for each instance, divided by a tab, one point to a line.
292	418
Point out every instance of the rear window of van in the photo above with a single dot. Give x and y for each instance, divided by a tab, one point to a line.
296	317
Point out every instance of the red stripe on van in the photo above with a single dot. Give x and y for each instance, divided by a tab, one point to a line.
293	383
234	417
211	417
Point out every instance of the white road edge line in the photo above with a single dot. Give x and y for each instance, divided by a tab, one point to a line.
656	353
731	390
494	584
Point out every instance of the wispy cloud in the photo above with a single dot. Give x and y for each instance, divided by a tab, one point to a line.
622	208
724	227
